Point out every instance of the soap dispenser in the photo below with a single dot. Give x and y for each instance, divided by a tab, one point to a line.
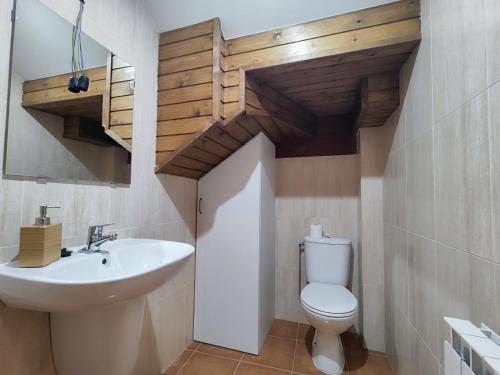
40	244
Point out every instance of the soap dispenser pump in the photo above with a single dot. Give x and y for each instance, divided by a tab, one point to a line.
43	219
40	244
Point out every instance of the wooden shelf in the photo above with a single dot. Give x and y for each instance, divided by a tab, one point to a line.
51	95
109	101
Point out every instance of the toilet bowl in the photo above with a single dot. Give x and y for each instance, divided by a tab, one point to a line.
328	305
330	309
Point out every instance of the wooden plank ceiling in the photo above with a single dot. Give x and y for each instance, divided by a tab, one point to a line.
215	95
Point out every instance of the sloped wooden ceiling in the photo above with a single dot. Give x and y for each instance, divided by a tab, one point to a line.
215	95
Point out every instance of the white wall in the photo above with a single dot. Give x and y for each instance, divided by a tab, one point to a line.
322	190
240	18
151	207
48	48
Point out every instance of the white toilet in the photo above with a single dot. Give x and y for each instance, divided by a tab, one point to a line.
328	305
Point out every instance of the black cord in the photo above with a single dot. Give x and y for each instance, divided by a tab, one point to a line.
77	62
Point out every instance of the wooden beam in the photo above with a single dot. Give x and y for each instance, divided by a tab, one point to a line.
60	96
94	74
187	32
106	98
218	45
209	146
274	104
337	44
364	18
379	97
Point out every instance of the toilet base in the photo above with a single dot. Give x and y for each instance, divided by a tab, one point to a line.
328	353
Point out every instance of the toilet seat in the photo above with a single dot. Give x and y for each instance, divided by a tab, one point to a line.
329	300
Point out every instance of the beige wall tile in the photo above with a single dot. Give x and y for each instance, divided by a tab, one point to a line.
458	53
418	98
403	336
496	324
24	342
492	14
425	362
483	309
477	177
374	148
449	193
420	185
454	287
494	124
423	297
395	189
11	201
396	128
374	317
396	265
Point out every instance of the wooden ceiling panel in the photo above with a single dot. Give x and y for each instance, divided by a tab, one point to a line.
324	87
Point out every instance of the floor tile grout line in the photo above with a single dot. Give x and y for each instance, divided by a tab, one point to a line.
281	337
295	348
185	363
237	366
294	354
267	366
218	356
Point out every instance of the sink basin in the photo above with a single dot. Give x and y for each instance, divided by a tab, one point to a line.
96	301
132	267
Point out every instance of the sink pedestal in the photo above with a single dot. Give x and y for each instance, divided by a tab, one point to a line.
103	340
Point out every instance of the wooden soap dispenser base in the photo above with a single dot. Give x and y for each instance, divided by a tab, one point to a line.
40	244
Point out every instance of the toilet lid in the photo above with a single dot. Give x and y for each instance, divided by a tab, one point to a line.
328	299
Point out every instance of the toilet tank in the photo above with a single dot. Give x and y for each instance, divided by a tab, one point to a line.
328	260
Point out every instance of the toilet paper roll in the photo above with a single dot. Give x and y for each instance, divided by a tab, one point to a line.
316	231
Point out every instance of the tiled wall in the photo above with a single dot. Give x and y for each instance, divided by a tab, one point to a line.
317	190
442	184
151	207
373	152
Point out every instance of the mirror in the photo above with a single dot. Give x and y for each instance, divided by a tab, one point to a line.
56	134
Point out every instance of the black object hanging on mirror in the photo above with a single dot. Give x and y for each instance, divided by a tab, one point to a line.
81	83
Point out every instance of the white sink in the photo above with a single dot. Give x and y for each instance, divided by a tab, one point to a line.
96	301
132	267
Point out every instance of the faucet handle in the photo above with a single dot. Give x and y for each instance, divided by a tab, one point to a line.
98	229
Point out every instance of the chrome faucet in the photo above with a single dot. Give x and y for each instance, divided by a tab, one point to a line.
96	238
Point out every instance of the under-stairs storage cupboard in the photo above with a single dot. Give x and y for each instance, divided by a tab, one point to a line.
234	304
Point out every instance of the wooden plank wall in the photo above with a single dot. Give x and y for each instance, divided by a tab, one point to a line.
118	102
339	35
189	86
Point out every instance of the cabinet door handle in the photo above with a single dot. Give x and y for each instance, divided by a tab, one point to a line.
199	205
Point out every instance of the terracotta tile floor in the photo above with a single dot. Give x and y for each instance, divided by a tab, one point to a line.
286	351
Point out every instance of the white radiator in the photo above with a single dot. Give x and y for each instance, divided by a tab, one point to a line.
471	350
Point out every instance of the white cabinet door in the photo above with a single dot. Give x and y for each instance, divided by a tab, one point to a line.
227	252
